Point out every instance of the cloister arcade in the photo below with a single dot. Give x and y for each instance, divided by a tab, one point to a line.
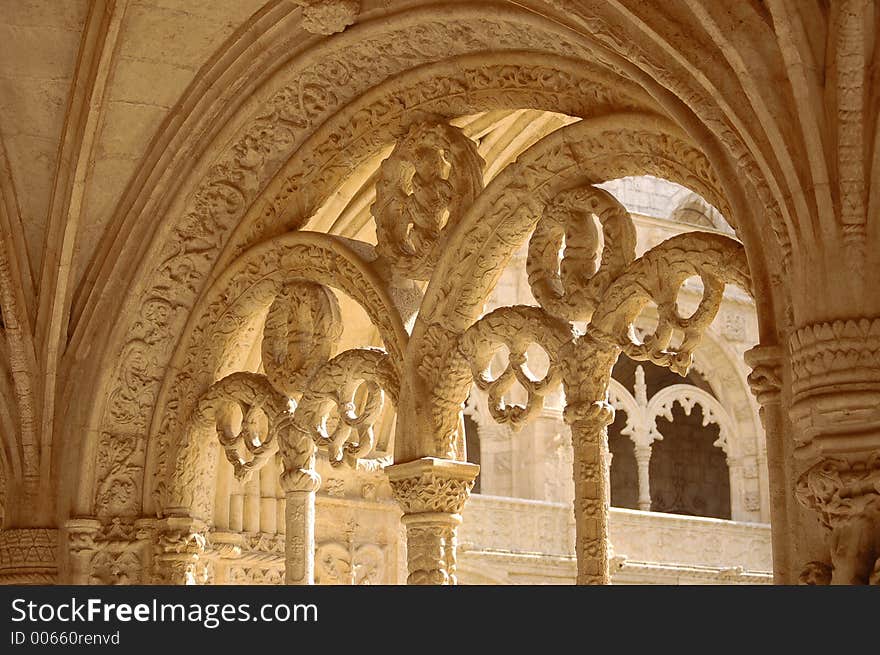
289	283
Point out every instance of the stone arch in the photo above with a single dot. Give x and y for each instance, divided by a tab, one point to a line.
231	183
504	215
688	396
178	272
211	345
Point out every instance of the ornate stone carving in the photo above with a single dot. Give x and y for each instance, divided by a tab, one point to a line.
825	356
815	573
28	556
116	568
845	492
328	16
610	292
333	389
248	440
347	564
181	552
569	287
657	277
765	380
432	494
516	328
301	332
431	177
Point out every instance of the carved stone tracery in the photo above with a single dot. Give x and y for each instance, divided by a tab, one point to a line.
433	174
599	282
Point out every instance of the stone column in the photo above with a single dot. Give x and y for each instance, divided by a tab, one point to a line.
587	364
835	411
432	493
643	460
765	381
181	553
300	486
81	547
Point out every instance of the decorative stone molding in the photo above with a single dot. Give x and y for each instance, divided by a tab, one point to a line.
28	556
328	16
432	493
827	358
836	387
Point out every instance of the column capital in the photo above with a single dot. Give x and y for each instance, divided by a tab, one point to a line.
303	480
835	367
432	485
765	380
81	533
181	549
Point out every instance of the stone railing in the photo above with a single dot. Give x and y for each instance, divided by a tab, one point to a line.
497	526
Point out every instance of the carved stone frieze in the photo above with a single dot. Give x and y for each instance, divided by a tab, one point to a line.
28	556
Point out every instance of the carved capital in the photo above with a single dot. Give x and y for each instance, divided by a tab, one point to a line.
432	493
181	550
765	380
432	485
82	534
836	386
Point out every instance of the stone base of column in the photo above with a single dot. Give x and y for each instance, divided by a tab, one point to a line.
28	556
432	493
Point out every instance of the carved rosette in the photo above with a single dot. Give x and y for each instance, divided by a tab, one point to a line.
845	493
432	493
28	556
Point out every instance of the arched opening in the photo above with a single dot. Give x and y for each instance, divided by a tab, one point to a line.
689	474
624	468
